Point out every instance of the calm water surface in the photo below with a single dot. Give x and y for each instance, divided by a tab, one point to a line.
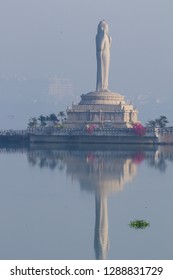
77	202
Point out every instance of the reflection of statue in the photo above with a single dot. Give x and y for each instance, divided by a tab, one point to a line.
101	240
103	43
102	172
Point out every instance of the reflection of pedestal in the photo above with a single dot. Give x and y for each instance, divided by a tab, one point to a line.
101	227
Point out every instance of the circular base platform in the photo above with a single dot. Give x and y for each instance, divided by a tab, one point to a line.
101	97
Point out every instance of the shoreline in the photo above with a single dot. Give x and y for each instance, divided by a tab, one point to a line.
78	136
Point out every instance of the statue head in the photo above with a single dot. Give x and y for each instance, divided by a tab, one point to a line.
102	27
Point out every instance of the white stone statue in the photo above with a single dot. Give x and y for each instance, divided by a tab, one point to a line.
103	44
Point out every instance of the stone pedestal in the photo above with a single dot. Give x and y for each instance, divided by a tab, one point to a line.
102	109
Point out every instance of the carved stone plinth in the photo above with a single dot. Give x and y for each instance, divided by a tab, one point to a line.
103	109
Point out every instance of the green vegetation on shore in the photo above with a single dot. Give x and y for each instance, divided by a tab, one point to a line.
52	119
160	122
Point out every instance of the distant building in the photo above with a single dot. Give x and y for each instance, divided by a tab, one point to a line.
61	87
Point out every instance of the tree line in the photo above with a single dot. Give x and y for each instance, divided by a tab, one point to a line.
52	119
160	122
57	120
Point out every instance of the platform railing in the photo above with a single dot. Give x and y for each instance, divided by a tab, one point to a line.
84	131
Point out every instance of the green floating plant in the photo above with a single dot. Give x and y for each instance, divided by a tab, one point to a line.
139	224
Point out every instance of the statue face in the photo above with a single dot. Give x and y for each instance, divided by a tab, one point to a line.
103	26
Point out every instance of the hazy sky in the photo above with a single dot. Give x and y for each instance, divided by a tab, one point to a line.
57	37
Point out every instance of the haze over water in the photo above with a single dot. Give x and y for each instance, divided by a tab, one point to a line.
77	202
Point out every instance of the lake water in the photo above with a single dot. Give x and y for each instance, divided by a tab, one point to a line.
77	202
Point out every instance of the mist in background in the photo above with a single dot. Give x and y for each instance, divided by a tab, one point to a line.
47	55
